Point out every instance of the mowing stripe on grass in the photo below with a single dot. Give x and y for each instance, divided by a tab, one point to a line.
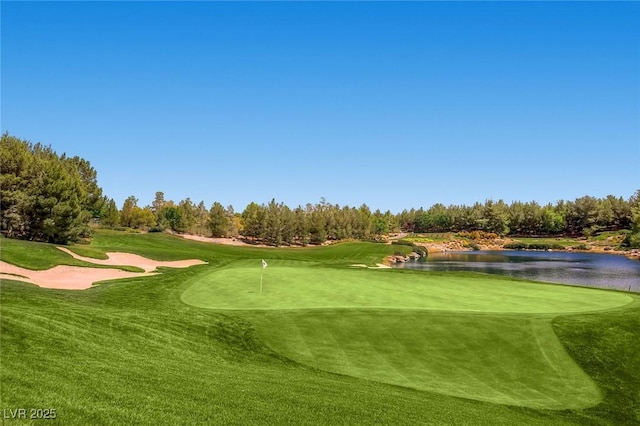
134	353
494	344
505	359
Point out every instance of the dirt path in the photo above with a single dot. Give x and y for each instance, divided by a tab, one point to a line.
226	241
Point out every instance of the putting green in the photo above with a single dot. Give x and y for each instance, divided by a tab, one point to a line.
299	285
473	336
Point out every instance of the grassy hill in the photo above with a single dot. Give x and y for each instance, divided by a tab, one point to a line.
132	351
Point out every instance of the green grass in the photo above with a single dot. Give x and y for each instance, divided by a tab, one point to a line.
607	347
40	256
32	255
616	236
431	237
132	352
515	360
169	247
566	242
88	252
100	357
295	285
508	359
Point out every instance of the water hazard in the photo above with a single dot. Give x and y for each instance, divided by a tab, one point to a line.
583	269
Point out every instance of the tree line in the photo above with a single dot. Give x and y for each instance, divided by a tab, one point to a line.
277	224
45	196
272	223
584	216
49	197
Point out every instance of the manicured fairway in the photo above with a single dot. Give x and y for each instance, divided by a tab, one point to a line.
506	359
301	285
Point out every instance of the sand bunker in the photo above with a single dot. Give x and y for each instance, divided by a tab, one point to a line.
65	276
128	259
80	278
378	266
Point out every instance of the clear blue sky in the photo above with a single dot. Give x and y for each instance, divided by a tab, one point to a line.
396	105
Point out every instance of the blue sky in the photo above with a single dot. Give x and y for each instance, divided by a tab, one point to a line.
395	105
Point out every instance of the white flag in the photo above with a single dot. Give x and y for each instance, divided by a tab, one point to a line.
264	264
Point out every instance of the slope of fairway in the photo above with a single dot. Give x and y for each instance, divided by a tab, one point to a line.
473	336
132	352
300	285
505	359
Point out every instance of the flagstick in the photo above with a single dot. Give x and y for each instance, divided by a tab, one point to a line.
264	265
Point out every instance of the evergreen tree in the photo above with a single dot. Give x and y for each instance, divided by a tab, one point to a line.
142	218
44	196
171	216
201	220
633	238
93	201
126	214
252	219
300	226
234	222
112	216
218	221
187	214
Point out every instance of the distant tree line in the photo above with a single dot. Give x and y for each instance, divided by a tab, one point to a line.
584	216
48	197
273	223
277	224
45	196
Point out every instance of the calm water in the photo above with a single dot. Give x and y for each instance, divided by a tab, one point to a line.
584	269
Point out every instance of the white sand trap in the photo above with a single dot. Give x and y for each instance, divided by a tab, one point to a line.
378	266
128	259
64	276
80	278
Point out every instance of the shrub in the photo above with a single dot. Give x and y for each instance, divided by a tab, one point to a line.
533	246
539	246
516	246
403	243
477	235
423	252
416	248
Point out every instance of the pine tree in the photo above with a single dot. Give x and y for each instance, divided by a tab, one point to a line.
218	221
112	216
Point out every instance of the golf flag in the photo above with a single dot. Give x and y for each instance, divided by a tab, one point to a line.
264	264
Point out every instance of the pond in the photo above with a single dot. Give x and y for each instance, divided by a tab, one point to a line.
583	269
